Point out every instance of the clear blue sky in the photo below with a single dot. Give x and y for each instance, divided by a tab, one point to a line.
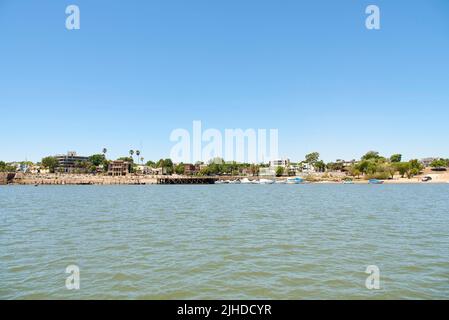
139	69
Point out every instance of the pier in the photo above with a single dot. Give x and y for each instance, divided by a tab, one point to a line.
186	180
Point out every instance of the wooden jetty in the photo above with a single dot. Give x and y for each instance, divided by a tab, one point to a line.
186	180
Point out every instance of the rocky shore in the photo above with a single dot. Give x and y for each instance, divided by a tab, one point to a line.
87	179
79	179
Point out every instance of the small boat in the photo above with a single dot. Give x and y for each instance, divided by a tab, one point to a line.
266	181
219	182
348	182
375	181
237	181
246	181
295	180
280	182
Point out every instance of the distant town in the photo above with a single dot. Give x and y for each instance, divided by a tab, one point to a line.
370	166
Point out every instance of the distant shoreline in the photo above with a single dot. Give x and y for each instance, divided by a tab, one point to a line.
86	179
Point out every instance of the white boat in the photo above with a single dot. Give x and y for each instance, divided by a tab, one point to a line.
281	182
266	181
246	181
235	181
295	180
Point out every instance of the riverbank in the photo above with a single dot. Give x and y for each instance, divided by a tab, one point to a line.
86	179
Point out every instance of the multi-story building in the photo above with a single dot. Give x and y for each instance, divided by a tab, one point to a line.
190	169
68	163
275	164
118	168
427	161
280	163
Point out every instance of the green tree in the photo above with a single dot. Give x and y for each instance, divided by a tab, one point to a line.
254	169
279	171
416	165
396	158
371	155
312	158
204	171
2	166
367	166
215	168
390	169
180	168
438	163
151	164
97	159
353	171
138	155
335	166
166	165
50	162
403	168
320	166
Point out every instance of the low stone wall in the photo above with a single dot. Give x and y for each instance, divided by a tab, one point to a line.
77	179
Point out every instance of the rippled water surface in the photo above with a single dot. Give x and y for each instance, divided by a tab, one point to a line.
225	241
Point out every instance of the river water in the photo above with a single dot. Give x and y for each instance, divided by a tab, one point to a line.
225	241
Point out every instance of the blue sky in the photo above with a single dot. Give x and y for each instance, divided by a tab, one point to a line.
137	70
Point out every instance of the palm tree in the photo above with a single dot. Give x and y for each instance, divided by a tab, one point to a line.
104	152
131	153
141	159
137	154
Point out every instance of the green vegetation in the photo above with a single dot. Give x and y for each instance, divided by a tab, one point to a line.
440	163
396	158
374	166
279	171
312	158
50	163
371	165
180	169
166	165
151	164
4	167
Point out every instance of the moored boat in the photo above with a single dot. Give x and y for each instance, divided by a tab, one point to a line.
266	181
375	181
295	180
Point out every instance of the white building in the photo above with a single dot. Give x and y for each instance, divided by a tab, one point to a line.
275	164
